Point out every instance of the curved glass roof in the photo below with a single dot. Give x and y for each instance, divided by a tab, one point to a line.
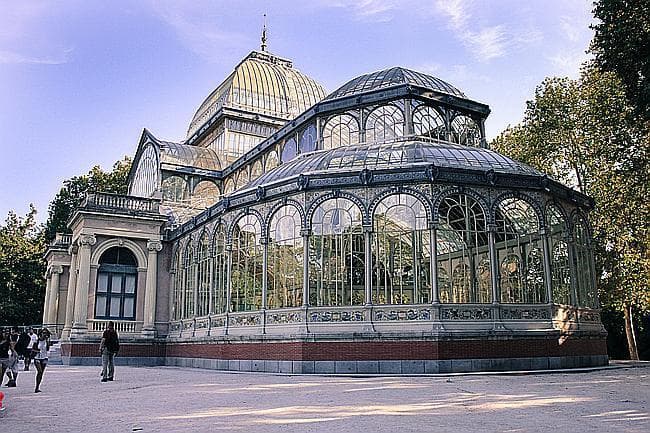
393	77
186	155
393	155
262	83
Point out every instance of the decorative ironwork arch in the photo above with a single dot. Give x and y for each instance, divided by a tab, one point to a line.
479	198
408	191
240	215
520	196
365	216
279	205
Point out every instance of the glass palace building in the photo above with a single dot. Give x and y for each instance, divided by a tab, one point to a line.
368	230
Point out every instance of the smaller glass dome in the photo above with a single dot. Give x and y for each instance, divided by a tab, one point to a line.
393	77
400	154
188	156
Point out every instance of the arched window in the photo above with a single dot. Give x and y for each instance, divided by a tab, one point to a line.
285	259
246	292
189	285
384	123
229	186
179	281
145	181
174	188
560	271
256	170
340	130
206	193
117	280
272	161
465	131
336	255
585	271
204	268
427	122
289	151
242	178
401	252
463	251
308	139
519	248
219	279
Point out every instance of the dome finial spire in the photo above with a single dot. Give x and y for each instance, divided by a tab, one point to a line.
264	34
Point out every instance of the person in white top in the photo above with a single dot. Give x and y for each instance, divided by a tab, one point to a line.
33	338
40	358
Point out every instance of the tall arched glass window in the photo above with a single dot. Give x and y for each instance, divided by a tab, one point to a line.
179	281
117	280
465	131
189	285
285	259
518	244
204	268
560	271
246	294
428	122
401	252
289	150
463	251
384	123
145	180
229	186
219	278
585	271
307	141
336	255
340	130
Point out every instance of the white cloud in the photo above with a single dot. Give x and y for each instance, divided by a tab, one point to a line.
374	11
567	64
197	25
24	35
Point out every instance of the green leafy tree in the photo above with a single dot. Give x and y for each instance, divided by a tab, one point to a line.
621	44
585	133
75	189
22	270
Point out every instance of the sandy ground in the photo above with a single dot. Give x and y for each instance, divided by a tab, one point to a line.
167	399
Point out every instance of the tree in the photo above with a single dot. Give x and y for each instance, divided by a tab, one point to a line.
75	189
621	44
585	133
22	270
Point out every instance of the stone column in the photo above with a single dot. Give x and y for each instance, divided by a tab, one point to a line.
46	302
52	307
150	290
72	285
79	326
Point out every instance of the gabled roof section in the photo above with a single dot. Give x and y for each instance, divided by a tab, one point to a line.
393	77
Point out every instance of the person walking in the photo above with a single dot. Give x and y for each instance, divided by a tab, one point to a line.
108	348
40	358
33	340
12	363
5	348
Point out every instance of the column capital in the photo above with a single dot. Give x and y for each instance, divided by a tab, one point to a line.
154	246
73	249
87	240
56	269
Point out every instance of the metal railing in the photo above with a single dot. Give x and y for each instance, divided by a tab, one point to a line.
122	326
120	202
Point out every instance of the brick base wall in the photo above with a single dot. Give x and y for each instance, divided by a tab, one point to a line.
480	354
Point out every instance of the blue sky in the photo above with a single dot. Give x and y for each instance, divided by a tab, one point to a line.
80	79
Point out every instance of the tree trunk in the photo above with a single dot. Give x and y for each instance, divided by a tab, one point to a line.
629	332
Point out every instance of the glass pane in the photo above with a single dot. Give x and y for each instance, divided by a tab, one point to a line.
128	307
102	282
129	284
116	283
115	307
100	305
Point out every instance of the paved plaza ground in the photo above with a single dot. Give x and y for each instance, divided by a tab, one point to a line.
167	399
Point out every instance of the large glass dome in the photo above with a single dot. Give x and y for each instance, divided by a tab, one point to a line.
262	83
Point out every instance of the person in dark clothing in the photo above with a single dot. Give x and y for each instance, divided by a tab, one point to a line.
5	347
12	363
108	348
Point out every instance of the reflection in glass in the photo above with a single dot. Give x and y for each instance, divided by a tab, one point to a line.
246	291
285	261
